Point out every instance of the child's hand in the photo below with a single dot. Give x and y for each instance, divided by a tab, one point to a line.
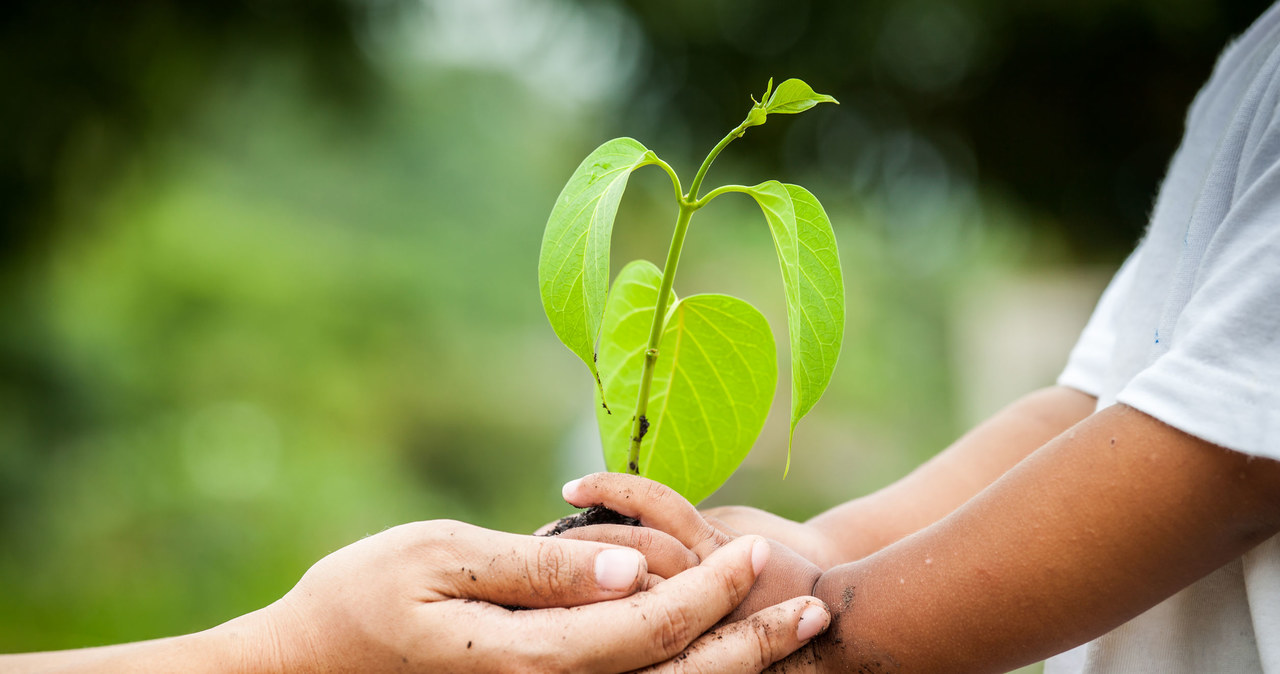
675	536
805	540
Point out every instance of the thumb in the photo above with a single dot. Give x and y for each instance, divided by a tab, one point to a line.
538	572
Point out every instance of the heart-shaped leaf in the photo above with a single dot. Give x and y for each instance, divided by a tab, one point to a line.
624	336
573	267
806	246
712	386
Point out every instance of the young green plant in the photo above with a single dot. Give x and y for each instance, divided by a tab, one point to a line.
683	386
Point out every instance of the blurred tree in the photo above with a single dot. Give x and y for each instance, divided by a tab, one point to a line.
89	88
1072	108
85	83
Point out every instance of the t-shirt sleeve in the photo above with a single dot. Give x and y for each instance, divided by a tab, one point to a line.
1218	375
1090	358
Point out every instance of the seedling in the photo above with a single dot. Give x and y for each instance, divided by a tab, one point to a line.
683	386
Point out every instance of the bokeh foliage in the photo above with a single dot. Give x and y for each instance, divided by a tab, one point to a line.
1069	108
267	269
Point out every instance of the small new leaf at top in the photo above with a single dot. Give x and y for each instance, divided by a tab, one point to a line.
794	96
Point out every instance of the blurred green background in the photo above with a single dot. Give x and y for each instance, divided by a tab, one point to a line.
268	268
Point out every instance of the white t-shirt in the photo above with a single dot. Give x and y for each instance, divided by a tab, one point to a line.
1189	332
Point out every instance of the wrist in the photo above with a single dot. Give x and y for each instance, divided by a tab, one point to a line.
270	640
851	531
835	649
786	576
244	645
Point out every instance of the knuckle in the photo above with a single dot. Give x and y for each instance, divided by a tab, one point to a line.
436	540
641	538
731	585
549	571
705	538
434	527
765	639
672	630
656	493
428	532
714	538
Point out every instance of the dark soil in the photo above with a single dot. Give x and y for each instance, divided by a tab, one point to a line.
592	515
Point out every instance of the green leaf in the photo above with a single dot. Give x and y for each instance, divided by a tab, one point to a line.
811	276
573	267
712	386
795	96
624	335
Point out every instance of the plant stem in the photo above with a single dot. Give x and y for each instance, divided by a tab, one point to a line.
675	179
725	189
688	204
711	156
640	424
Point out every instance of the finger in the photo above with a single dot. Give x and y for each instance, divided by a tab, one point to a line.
721	526
787	575
735	518
753	644
653	503
656	625
534	572
665	555
651	581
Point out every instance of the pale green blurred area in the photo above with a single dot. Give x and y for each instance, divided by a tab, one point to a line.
281	329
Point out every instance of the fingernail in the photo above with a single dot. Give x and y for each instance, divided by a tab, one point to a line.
759	555
570	488
617	568
812	622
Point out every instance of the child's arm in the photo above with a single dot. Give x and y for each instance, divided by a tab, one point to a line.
859	527
1103	522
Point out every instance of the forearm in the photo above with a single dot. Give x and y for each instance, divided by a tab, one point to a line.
951	478
1101	524
237	646
61	661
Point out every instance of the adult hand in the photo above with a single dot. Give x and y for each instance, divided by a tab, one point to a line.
432	596
439	596
675	535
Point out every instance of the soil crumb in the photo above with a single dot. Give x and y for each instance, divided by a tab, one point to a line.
592	515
